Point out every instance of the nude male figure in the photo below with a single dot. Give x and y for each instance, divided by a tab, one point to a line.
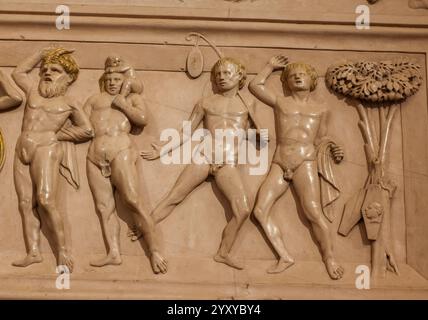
51	118
224	110
112	164
301	125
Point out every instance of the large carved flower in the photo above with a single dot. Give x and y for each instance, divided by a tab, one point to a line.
375	81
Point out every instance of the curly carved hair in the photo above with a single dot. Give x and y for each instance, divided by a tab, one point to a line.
308	68
64	58
239	68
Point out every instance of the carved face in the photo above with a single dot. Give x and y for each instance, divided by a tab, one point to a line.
54	81
299	80
374	212
227	77
113	82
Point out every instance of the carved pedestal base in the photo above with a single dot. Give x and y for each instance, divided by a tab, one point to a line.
135	280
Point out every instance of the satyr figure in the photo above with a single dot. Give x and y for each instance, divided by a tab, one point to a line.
112	161
52	121
225	110
300	158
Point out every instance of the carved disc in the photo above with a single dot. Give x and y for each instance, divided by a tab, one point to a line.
2	150
195	62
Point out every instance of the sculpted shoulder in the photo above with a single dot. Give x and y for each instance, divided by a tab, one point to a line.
135	98
73	103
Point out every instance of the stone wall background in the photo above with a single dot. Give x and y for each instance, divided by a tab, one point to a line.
194	228
150	34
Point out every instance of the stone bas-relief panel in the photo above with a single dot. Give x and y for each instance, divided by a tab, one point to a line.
193	232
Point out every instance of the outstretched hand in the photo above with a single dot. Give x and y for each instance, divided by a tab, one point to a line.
278	62
152	154
46	50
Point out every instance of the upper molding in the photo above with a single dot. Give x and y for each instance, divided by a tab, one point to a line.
232	12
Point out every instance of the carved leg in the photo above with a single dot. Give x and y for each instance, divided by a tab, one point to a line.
229	181
307	186
30	219
191	177
45	173
125	178
103	194
271	190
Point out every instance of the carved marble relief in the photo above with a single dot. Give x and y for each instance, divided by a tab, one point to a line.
112	157
379	89
225	110
302	158
305	157
45	149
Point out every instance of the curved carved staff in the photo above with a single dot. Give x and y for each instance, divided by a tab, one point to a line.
195	61
195	58
380	87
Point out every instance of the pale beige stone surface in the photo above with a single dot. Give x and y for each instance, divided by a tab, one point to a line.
156	48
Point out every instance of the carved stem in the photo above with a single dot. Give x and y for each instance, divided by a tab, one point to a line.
373	131
365	128
212	45
386	133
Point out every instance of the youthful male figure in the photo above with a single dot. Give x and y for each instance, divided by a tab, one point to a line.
301	127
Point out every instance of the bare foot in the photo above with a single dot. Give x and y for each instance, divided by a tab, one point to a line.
229	261
280	266
159	263
334	270
29	259
64	259
110	259
134	233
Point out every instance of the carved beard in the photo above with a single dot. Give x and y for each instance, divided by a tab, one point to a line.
50	89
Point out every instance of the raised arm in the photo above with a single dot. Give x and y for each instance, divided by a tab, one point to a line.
20	74
257	85
80	129
11	98
134	108
195	119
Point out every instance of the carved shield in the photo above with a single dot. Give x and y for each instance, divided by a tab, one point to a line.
2	151
195	62
375	206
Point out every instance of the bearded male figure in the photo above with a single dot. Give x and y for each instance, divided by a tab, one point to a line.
44	150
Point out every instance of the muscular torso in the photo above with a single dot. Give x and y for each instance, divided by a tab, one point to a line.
43	118
43	115
297	127
111	128
226	114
